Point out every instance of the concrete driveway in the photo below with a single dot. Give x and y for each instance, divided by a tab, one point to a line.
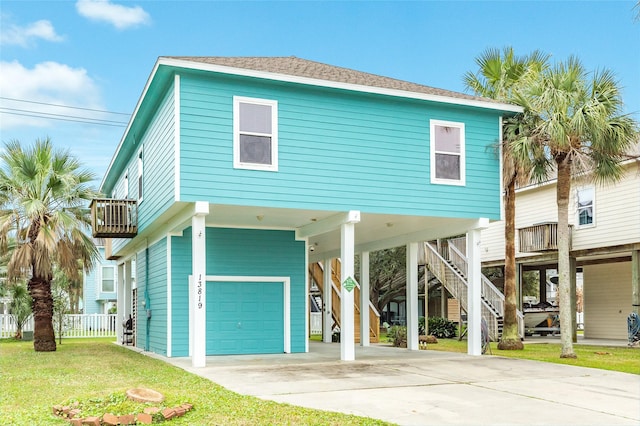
431	388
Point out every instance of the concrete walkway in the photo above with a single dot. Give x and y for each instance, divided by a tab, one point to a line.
430	387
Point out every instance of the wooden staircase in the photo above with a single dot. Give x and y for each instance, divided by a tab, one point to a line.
316	271
452	273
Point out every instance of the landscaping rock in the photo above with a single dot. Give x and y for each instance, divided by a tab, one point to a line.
76	422
93	421
110	419
127	419
168	413
144	418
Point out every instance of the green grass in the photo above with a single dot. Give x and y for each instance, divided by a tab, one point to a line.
96	373
626	360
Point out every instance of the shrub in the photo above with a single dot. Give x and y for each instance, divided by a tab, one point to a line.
397	335
442	327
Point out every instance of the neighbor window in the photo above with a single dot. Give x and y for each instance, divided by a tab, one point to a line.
447	152
108	279
585	201
255	134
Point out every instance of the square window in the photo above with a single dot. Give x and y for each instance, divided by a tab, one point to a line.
255	134
447	152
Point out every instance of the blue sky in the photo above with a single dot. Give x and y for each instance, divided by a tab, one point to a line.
96	55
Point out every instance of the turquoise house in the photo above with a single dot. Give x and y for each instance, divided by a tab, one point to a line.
235	173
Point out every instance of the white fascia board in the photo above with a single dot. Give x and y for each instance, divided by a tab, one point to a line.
336	84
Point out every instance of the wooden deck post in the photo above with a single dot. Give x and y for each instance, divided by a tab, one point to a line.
364	299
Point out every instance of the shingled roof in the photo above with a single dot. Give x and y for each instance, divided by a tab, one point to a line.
293	66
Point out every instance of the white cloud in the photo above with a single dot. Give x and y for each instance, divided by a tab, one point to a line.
119	16
46	83
24	36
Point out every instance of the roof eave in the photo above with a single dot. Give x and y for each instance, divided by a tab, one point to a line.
201	66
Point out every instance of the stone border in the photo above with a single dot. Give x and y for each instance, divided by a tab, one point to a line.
73	415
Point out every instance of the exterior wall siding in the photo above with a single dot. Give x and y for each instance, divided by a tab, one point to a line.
93	299
158	143
607	298
157	289
180	270
372	150
240	252
617	214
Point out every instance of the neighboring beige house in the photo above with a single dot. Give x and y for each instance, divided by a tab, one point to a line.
605	223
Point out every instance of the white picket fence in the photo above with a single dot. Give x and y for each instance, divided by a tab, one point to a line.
73	325
315	323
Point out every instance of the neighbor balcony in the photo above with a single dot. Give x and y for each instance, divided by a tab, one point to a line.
540	237
114	218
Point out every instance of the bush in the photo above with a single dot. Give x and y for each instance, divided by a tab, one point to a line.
442	327
397	335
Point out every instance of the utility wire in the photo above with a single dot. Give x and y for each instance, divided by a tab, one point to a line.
63	106
49	114
67	118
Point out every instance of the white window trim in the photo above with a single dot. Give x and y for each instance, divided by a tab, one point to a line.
236	134
140	161
432	145
115	278
593	207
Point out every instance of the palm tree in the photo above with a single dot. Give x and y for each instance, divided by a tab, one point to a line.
43	199
577	120
500	76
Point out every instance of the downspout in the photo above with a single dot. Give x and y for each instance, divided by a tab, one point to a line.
147	300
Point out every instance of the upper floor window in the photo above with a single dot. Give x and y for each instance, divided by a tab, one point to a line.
447	152
585	198
255	134
108	284
140	174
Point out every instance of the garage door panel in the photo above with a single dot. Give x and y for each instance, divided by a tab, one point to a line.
245	317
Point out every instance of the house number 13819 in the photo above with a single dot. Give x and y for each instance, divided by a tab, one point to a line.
199	292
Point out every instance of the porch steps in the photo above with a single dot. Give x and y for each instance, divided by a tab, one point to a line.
450	268
316	271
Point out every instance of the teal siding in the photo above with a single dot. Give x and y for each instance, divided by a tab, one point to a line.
158	144
93	299
141	318
241	252
180	270
371	150
157	285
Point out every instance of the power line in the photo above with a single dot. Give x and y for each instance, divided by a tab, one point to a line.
63	106
67	118
50	114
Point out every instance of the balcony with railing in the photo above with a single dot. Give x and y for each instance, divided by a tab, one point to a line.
539	238
114	218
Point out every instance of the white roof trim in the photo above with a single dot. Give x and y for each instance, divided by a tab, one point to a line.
335	84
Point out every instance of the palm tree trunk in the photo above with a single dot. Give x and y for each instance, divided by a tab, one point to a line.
564	268
510	338
44	339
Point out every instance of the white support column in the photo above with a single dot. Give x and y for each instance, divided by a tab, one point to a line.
474	303
364	299
327	293
412	296
199	273
347	333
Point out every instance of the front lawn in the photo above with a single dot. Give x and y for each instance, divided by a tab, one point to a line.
96	373
622	359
